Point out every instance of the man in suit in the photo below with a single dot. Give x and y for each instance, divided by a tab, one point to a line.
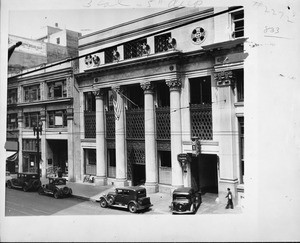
229	196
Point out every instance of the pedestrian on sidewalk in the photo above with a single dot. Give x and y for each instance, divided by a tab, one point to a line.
229	197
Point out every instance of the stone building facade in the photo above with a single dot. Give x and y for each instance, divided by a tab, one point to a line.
161	101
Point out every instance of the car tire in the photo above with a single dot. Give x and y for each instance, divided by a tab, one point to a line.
56	195
36	184
103	203
132	208
9	184
25	188
70	192
110	200
40	191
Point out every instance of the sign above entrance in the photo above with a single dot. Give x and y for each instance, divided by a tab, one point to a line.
183	158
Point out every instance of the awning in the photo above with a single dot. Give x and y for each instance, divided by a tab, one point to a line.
11	156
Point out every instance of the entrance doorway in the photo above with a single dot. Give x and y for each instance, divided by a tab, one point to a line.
204	172
138	174
58	154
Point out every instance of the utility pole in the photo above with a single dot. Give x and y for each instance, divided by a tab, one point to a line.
37	128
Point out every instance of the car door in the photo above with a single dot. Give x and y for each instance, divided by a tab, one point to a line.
119	196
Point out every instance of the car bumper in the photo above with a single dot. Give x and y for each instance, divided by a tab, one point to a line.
141	207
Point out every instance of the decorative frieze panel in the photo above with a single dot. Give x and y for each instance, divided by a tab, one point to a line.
224	78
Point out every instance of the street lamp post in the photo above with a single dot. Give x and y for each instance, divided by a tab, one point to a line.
37	129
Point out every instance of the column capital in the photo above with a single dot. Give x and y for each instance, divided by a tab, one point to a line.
224	78
99	93
147	87
117	88
174	84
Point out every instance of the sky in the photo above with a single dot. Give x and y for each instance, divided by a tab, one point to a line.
31	23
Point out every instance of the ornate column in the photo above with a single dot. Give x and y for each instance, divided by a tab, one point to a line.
226	122
20	140
120	139
176	133
43	164
150	141
101	163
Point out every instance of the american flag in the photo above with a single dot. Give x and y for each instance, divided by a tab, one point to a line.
117	104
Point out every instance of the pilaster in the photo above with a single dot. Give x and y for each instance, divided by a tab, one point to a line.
228	138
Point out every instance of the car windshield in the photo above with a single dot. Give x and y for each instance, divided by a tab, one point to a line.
141	193
181	198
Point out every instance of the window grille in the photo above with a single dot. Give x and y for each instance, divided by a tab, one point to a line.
90	124
135	124
201	121
163	127
110	124
109	54
135	49
238	24
162	42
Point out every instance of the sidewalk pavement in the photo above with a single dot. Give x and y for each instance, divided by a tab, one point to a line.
161	201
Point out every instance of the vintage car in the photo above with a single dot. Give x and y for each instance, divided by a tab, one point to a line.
185	200
26	180
56	187
134	198
7	177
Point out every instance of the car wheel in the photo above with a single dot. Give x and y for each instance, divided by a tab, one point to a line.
70	192
132	208
110	200
36	184
103	203
40	190
56	195
25	188
9	184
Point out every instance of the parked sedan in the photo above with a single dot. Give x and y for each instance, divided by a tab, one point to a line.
133	198
26	180
185	200
56	187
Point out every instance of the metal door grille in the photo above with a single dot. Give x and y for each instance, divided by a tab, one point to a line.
135	127
90	124
201	121
110	125
163	123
